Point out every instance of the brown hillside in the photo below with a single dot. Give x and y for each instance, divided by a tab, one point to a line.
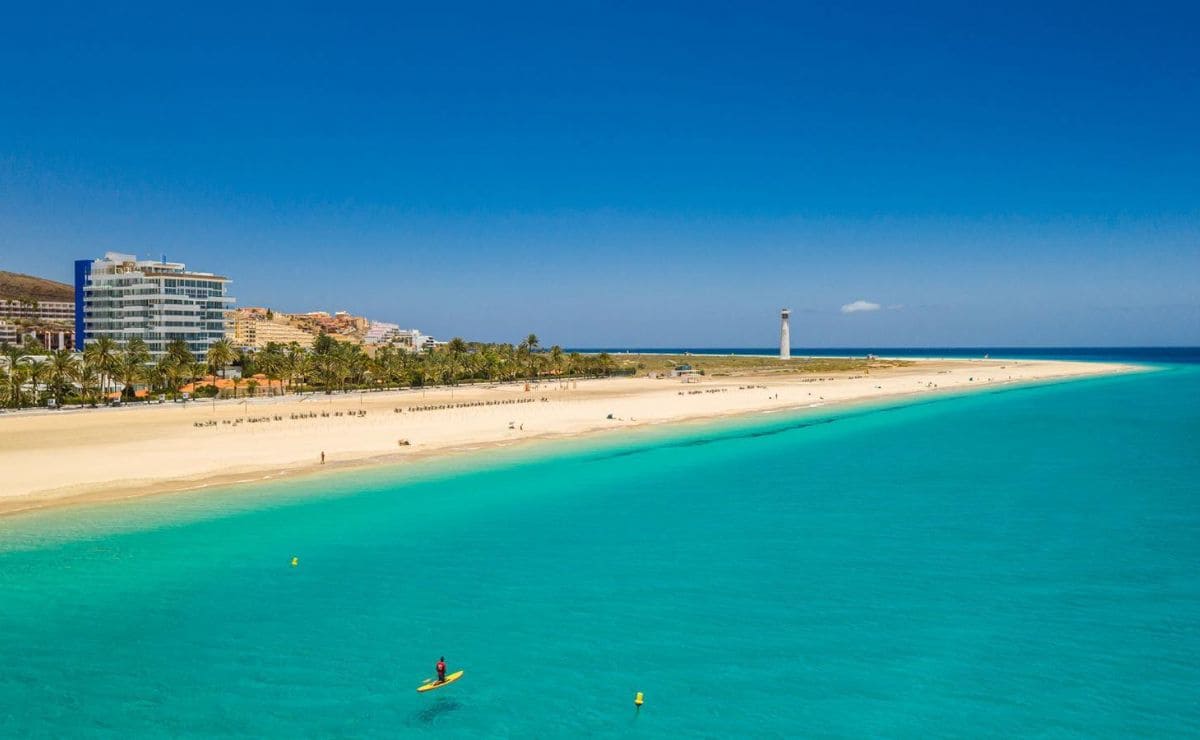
15	286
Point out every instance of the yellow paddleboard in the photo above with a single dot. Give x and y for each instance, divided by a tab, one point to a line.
433	683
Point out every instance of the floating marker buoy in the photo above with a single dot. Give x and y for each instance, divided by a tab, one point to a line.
295	562
637	700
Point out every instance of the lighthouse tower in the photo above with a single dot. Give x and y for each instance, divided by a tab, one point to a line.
785	335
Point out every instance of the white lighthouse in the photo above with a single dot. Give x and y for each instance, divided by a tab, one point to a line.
785	335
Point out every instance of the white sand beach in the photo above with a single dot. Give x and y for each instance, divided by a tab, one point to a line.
87	455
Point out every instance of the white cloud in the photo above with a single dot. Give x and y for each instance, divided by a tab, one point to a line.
858	306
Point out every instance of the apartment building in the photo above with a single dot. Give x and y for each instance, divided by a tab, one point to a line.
49	323
122	297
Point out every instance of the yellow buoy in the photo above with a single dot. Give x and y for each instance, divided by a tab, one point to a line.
637	700
295	562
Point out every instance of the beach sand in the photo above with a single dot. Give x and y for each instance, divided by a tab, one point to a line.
90	455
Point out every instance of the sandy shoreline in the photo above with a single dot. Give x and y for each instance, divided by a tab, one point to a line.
86	456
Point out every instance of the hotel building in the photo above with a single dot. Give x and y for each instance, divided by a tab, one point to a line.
48	323
122	297
256	327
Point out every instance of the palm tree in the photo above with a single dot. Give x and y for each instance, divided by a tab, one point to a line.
197	370
528	347
431	370
102	353
349	363
64	368
36	371
178	350
131	365
556	359
380	366
300	368
325	361
155	376
455	350
403	367
12	384
220	355
271	362
15	377
88	376
294	367
171	370
245	360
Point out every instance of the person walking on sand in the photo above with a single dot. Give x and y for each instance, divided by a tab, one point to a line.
322	457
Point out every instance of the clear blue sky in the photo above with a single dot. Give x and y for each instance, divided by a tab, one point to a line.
628	175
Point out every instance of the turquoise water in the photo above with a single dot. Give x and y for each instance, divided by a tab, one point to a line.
1013	563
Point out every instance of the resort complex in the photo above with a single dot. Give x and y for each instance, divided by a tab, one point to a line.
123	298
257	327
132	327
37	311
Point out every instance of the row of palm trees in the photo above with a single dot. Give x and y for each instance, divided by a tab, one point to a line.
332	365
30	376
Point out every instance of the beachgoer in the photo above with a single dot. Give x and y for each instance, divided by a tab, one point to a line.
441	669
322	457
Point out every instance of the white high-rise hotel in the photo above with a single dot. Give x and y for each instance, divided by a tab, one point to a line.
123	297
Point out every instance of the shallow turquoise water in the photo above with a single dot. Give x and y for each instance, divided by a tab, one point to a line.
1024	562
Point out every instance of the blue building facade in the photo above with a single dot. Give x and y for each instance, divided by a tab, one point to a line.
83	268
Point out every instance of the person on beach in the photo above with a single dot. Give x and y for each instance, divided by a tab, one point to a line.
322	457
441	669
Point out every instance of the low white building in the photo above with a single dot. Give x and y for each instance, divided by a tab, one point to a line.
383	333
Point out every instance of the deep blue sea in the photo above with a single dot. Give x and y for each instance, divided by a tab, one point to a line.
1004	563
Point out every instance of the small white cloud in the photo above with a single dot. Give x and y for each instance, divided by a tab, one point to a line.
858	306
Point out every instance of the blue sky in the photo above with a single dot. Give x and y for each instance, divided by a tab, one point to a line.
623	174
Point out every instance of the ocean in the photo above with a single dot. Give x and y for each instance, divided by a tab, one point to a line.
1021	561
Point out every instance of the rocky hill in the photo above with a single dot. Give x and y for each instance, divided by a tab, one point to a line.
15	286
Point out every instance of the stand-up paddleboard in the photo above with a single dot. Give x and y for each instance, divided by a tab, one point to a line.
433	683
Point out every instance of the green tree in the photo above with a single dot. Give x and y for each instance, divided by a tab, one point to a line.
103	356
272	362
89	379
178	350
16	374
456	350
131	365
220	355
64	368
37	371
296	364
350	364
325	361
245	360
528	347
172	370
